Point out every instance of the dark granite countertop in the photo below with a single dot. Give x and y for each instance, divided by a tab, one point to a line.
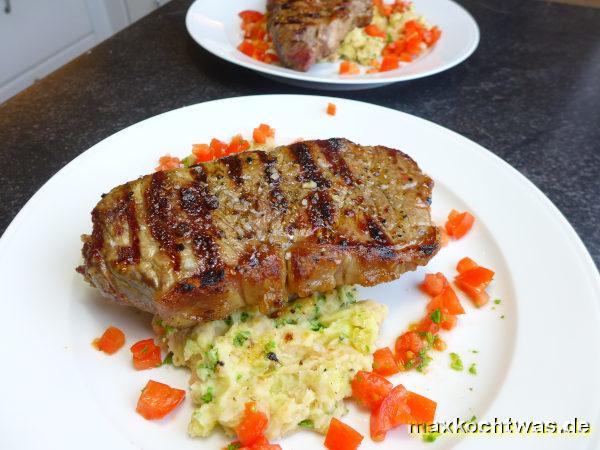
530	94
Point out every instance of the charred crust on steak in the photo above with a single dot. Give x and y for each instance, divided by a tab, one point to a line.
296	225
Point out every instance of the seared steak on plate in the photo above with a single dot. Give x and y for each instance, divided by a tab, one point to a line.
305	31
195	244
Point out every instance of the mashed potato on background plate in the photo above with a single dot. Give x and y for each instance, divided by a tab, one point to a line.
297	367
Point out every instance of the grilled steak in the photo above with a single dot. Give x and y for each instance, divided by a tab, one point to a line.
304	31
259	227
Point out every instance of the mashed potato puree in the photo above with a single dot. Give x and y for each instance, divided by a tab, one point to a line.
296	367
359	47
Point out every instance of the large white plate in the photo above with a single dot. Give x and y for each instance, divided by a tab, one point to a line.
539	362
215	25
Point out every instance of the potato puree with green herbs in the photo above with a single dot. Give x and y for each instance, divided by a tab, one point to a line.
297	367
359	47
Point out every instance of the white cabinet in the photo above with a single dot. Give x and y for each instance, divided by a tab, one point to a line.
38	36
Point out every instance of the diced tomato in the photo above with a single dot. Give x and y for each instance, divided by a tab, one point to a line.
167	162
473	282
434	284
405	57
448	322
408	347
247	48
413	44
331	109
384	8
434	35
218	148
146	354
374	31
384	362
389	63
392	412
422	409
258	136
111	340
341	436
237	144
202	152
466	264
262	133
447	302
349	68
251	16
369	388
252	426
459	224
427	325
270	58
158	399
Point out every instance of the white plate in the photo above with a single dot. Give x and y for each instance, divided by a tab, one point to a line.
215	25
539	362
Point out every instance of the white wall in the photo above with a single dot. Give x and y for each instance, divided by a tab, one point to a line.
39	36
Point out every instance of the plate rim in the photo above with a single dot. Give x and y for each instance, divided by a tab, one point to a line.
302	77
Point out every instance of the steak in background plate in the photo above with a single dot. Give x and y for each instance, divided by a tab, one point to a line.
304	31
195	244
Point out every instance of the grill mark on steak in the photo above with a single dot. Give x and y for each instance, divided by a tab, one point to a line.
308	169
160	219
234	168
198	203
276	197
330	148
320	209
376	232
131	254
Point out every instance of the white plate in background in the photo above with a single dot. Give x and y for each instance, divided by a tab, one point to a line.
538	362
215	25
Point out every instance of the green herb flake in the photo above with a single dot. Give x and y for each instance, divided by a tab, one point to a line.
497	301
207	397
168	359
315	325
455	362
436	316
430	437
474	351
189	161
240	338
234	446
473	369
425	360
244	316
306	423
429	337
170	330
502	316
228	321
238	377
270	346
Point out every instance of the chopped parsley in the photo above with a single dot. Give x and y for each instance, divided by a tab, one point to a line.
497	301
240	338
207	396
436	316
234	446
455	362
430	437
502	316
473	369
428	335
228	321
306	423
168	359
270	346
315	325
244	316
425	360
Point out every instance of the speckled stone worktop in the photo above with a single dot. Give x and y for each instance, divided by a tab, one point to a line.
530	94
